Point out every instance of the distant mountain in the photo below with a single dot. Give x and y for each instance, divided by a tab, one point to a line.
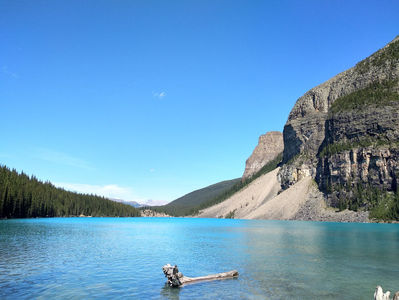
131	203
147	203
188	203
151	202
270	145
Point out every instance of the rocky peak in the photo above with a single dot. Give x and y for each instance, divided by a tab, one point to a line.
304	130
345	131
379	66
270	145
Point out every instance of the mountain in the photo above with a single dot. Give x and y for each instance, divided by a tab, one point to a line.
188	203
194	202
270	145
344	133
27	197
341	152
131	203
152	202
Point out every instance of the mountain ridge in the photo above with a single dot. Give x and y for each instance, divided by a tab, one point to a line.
355	112
341	144
188	203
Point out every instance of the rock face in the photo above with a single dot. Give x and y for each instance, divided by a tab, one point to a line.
304	130
360	149
270	145
346	130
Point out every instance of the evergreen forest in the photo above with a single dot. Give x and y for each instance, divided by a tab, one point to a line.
22	196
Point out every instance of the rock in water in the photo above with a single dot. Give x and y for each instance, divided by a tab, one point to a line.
270	145
380	295
173	275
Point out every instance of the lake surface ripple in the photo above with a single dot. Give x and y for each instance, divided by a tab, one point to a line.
115	258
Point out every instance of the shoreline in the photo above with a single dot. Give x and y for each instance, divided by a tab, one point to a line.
160	215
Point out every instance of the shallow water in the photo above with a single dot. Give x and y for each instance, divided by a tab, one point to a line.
112	258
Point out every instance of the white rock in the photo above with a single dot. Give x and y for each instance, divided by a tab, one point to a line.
380	295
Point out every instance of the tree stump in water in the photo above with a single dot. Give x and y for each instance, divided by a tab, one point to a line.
176	278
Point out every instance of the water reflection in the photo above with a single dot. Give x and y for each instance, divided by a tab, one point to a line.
320	260
170	293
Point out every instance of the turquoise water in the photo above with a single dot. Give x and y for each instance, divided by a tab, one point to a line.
108	258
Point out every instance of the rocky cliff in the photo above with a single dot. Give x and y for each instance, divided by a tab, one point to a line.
345	132
270	145
340	153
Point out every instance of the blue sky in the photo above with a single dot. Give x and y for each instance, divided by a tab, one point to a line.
149	100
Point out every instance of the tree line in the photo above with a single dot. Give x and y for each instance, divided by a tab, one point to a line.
22	196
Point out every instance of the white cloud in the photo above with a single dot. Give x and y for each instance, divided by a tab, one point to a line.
112	191
159	95
61	158
152	170
7	72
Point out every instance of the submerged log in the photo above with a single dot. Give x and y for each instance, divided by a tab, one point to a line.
176	278
380	295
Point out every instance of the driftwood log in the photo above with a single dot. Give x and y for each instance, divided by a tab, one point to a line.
380	295
176	278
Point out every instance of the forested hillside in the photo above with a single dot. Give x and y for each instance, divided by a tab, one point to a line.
22	196
193	202
188	203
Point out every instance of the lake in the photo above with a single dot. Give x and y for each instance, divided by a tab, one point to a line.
108	258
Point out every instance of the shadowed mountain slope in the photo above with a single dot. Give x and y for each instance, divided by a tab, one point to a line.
187	204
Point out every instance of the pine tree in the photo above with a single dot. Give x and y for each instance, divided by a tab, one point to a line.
22	197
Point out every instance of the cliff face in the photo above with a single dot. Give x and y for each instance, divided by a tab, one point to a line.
344	134
345	131
304	130
270	145
361	147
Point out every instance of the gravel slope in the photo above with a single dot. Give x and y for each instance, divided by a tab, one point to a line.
263	199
